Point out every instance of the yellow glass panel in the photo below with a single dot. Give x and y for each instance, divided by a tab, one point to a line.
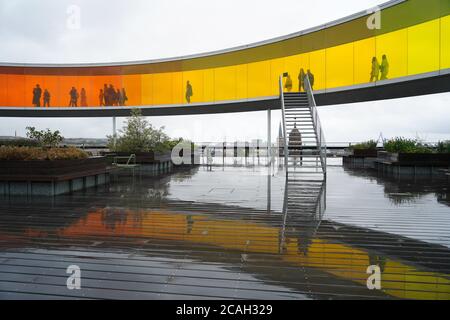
277	69
225	83
364	53
259	80
339	66
445	42
241	82
162	88
394	46
177	88
208	85
147	89
317	68
423	48
292	67
196	80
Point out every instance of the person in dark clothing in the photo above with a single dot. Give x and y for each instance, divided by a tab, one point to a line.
384	68
101	98
46	98
124	97
189	92
111	95
375	73
311	78
37	93
301	80
106	95
288	84
83	101
119	97
73	97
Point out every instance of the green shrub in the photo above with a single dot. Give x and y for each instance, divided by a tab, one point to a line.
403	145
443	147
33	153
45	138
368	145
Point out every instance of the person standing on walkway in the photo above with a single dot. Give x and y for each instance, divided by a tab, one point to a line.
46	98
73	97
311	78
375	73
83	101
37	93
384	68
301	80
189	92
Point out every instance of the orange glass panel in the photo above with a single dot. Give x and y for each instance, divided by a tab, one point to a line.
51	83
3	90
132	85
16	91
85	83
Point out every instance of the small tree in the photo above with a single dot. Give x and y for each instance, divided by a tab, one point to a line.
138	135
45	138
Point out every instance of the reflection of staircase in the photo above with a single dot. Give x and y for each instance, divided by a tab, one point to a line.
305	149
304	206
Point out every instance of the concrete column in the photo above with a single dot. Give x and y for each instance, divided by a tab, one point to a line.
269	137
114	131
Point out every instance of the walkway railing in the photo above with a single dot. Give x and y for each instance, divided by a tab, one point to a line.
285	133
321	142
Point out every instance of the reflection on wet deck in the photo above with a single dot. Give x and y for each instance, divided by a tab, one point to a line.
231	233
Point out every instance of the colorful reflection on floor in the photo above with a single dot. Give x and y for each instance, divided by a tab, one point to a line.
143	238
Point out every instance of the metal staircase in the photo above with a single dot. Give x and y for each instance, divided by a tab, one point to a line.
305	147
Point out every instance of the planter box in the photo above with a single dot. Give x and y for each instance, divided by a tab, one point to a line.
50	169
50	178
365	153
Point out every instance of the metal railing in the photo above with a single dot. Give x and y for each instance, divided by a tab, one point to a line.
321	142
283	110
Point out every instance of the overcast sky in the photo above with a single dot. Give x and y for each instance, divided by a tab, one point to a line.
36	31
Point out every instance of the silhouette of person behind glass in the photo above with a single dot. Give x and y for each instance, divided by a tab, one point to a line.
311	78
384	68
37	93
124	97
83	95
106	94
111	95
73	97
101	98
288	84
46	98
189	92
375	73
301	80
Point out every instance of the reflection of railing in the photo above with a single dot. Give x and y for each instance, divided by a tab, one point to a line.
283	110
321	143
130	163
